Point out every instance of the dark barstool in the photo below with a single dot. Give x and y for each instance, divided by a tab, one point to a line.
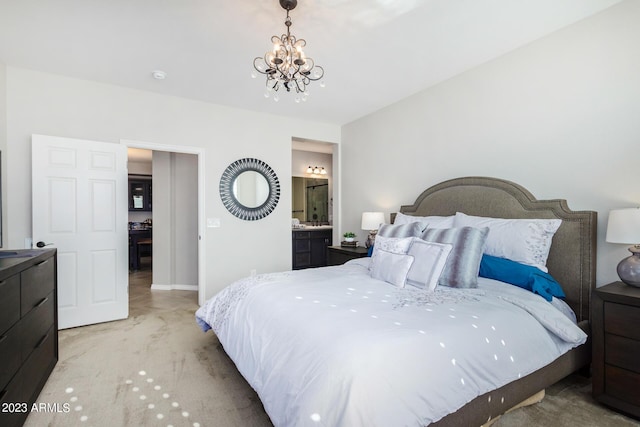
145	247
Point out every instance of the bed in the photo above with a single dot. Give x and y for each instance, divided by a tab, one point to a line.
334	347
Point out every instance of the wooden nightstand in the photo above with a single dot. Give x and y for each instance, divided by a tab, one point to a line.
340	254
615	326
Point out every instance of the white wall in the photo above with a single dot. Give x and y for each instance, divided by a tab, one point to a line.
175	219
139	168
53	105
559	116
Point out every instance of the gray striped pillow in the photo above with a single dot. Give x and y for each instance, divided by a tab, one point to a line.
461	270
412	229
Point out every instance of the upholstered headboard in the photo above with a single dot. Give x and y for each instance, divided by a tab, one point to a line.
572	259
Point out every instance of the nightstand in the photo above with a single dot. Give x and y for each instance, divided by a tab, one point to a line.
341	254
615	326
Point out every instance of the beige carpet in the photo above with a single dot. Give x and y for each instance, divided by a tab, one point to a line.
158	369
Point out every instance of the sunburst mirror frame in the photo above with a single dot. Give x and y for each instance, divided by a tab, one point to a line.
229	199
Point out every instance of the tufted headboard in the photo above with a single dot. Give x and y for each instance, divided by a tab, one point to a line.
572	259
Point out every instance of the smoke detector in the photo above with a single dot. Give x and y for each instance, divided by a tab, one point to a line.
159	75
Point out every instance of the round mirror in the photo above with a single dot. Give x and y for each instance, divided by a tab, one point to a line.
249	189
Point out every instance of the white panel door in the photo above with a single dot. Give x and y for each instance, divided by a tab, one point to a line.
80	207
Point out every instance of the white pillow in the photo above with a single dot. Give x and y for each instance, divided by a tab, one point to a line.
527	241
430	260
431	221
391	267
389	244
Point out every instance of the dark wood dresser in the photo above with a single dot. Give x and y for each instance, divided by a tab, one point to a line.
616	347
28	329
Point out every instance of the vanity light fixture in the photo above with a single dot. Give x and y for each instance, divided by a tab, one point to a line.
317	170
286	65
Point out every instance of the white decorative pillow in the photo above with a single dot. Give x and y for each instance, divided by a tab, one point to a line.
397	245
431	221
391	267
429	262
526	241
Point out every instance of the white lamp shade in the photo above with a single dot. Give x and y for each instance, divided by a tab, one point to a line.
624	226
372	220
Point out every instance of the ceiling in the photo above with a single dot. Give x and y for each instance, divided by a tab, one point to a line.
374	52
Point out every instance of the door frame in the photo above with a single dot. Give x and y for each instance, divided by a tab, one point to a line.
200	153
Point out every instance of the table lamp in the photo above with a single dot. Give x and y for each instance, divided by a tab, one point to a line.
371	221
624	227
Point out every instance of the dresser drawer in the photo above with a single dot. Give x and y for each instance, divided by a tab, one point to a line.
12	393
302	235
35	325
9	354
622	384
622	352
36	283
621	319
38	365
9	302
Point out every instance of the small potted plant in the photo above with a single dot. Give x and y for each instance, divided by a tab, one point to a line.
349	236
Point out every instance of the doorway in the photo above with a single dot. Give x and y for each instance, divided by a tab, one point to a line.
177	200
313	202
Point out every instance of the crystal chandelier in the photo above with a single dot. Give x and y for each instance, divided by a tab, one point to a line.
287	65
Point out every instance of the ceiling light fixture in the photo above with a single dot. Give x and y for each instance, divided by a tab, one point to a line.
287	65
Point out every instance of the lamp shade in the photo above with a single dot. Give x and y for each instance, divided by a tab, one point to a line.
624	226
372	220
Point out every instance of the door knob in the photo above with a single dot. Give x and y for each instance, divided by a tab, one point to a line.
42	244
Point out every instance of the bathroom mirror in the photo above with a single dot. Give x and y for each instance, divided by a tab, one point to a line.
249	189
310	199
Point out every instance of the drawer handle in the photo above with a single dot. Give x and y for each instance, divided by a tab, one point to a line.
42	340
2	282
45	299
3	393
2	338
43	262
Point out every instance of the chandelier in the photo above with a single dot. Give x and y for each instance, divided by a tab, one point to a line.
287	65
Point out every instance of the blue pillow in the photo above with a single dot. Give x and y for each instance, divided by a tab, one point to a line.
370	251
524	276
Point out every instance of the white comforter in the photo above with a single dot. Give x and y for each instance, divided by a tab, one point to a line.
333	347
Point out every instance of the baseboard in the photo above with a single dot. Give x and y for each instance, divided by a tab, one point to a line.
175	287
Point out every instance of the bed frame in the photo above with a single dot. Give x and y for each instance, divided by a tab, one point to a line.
572	261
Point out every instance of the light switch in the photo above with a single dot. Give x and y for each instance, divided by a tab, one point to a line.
213	222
